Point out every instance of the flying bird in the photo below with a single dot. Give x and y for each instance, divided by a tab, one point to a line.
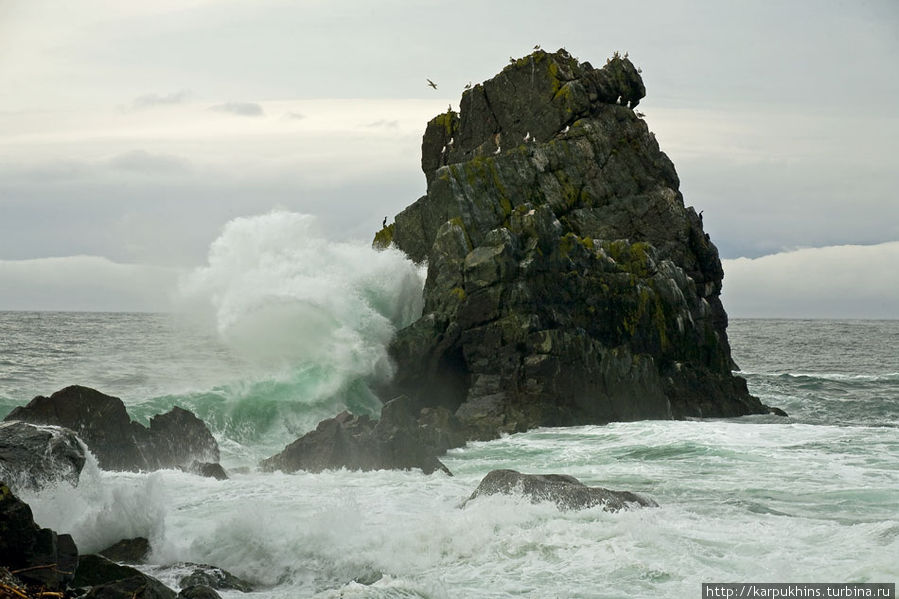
432	84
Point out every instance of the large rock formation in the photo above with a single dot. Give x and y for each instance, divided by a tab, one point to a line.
567	492
174	439
567	282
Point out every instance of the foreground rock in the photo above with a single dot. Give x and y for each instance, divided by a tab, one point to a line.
404	438
174	439
37	555
32	456
567	492
567	282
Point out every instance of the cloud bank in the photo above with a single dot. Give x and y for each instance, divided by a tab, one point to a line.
85	283
845	281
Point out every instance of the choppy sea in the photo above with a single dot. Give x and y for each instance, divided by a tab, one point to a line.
266	346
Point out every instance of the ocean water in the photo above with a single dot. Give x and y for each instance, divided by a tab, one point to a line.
281	330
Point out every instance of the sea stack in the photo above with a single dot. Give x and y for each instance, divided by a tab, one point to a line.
567	282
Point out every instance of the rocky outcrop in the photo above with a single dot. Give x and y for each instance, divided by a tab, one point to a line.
38	556
567	282
174	439
404	438
198	592
32	456
567	492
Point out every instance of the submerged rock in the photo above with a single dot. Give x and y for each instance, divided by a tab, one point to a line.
402	439
198	591
567	492
37	555
567	282
216	578
176	438
128	551
32	456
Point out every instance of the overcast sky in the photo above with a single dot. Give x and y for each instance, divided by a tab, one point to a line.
132	132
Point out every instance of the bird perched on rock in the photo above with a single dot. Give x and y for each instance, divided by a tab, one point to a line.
511	60
567	127
431	83
468	86
527	136
537	47
384	224
498	149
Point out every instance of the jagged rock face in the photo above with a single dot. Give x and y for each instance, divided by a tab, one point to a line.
174	439
567	282
32	456
567	492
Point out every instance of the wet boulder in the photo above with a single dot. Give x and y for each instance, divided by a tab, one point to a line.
215	578
128	551
567	492
32	456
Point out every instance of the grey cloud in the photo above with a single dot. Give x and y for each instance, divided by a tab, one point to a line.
141	161
154	100
295	116
239	108
384	124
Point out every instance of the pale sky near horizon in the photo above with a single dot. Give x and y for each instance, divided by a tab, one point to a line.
131	133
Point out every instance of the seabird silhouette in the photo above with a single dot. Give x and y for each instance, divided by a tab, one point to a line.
384	224
537	47
431	83
468	86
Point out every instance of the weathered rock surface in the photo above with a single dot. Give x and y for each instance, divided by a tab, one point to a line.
567	282
32	456
207	469
567	492
38	555
128	551
174	439
404	438
216	578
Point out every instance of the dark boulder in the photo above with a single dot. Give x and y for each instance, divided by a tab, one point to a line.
567	281
108	580
567	492
216	578
96	570
207	469
128	551
198	591
135	587
37	555
32	456
174	439
405	437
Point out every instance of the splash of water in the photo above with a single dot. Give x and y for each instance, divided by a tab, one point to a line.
313	316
